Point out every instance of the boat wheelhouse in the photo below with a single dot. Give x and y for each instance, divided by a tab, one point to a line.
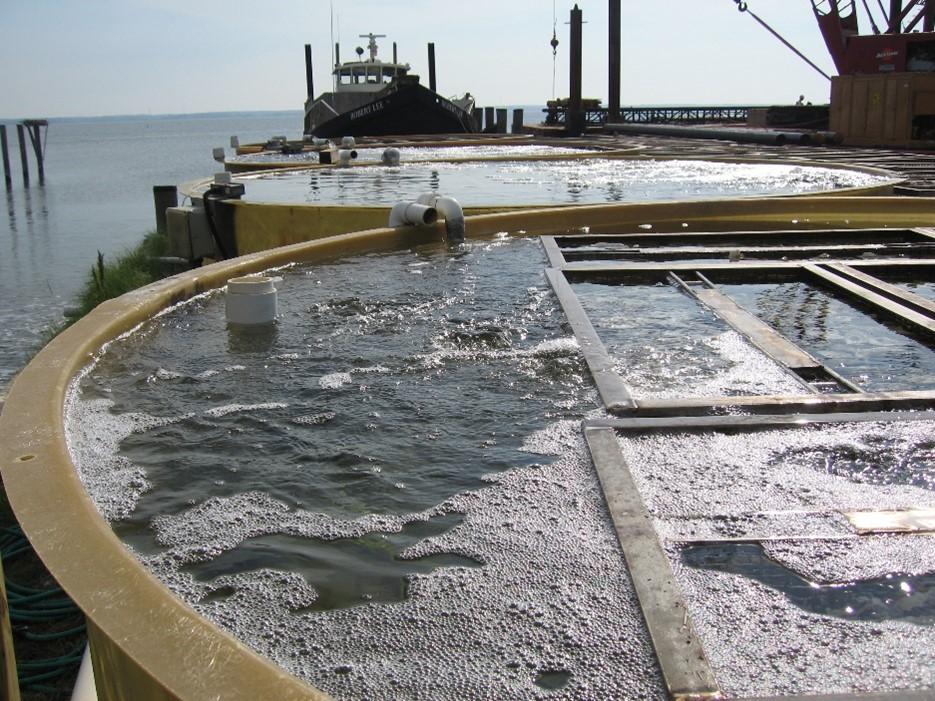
374	98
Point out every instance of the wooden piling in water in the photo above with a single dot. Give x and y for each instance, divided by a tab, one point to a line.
4	147
34	129
22	153
488	119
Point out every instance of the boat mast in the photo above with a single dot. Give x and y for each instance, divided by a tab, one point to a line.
372	44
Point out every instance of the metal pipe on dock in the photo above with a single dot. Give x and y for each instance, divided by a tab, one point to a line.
775	138
22	153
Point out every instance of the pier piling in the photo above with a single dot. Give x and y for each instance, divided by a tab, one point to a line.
164	196
477	114
22	153
517	127
488	119
501	121
432	66
34	129
4	147
574	119
309	79
613	61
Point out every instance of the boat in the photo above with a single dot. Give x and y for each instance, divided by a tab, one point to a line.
378	98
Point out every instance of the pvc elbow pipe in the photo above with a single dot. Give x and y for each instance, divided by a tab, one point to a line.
454	217
451	209
345	156
412	214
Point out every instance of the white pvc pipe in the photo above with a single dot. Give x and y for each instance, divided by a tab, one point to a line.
345	155
412	214
451	209
84	685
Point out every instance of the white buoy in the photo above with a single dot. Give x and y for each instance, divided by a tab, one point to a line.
251	301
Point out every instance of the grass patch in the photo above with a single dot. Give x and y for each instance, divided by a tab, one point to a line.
107	279
137	267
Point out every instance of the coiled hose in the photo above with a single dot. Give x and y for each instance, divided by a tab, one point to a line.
37	615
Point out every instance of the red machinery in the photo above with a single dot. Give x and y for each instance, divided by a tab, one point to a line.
896	45
885	91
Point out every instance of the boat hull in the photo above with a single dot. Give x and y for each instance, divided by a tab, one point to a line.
409	109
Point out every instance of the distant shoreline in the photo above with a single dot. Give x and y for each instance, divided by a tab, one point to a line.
267	113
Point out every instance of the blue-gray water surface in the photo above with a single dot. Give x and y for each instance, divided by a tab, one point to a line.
363	400
873	352
97	196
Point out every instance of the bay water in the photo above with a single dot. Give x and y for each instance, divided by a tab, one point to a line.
97	196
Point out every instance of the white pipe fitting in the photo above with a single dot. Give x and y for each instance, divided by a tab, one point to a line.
251	301
449	208
412	214
348	142
345	156
390	157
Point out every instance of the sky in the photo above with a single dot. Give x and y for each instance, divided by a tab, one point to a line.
104	57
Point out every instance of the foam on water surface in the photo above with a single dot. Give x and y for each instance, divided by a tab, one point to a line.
423	441
837	600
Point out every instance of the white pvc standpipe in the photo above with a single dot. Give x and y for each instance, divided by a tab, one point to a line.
84	685
251	300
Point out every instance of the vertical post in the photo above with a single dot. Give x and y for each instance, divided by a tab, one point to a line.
164	196
432	66
394	53
928	19
309	78
35	136
896	16
501	121
477	115
613	61
337	54
4	146
488	119
574	117
22	153
517	127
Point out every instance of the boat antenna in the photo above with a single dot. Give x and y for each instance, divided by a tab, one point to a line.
742	7
554	44
333	84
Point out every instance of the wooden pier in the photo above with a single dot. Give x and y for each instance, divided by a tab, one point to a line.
37	129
